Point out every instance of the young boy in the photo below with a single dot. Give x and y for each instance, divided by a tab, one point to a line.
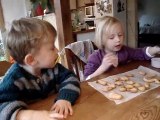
35	73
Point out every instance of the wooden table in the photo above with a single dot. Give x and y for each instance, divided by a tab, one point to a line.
92	105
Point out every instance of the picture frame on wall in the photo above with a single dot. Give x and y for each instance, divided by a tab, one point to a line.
103	7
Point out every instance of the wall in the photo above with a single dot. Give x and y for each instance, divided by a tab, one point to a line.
51	18
132	23
120	13
13	9
16	9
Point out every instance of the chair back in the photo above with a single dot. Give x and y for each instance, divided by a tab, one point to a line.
74	63
76	56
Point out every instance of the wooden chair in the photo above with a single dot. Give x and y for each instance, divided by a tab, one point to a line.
75	64
4	65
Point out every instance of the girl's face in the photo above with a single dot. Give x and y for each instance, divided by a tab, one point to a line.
113	39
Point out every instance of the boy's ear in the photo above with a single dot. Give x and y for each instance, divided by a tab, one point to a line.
29	60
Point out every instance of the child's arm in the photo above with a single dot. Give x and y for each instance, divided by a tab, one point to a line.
69	89
15	111
38	115
127	54
69	85
108	61
8	110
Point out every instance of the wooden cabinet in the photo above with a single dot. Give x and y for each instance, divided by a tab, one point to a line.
89	2
81	3
73	4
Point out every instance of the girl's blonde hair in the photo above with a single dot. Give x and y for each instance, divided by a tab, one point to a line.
103	24
26	36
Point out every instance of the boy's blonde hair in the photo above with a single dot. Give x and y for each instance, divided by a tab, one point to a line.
26	36
103	25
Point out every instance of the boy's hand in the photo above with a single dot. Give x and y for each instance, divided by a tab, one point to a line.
154	50
38	115
62	107
109	60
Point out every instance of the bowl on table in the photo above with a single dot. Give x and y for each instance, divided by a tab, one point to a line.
155	62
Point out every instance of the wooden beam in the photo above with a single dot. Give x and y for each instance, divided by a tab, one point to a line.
63	21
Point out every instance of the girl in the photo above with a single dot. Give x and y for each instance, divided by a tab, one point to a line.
109	39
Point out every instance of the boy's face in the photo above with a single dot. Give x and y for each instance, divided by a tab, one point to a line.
114	38
48	53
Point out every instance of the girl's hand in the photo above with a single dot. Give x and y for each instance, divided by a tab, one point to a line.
62	107
154	50
109	60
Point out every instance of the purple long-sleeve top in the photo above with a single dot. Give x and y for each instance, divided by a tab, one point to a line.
125	55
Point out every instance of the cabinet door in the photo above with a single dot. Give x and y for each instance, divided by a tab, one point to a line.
89	1
72	4
81	3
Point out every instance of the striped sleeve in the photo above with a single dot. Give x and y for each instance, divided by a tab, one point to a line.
69	85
